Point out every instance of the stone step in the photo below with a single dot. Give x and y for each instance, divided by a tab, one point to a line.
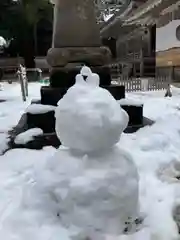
51	96
48	139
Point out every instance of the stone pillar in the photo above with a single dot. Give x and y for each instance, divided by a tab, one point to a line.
76	41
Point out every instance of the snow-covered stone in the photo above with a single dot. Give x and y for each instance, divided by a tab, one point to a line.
2	42
39	108
130	102
28	135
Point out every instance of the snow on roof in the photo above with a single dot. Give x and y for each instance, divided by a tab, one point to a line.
150	5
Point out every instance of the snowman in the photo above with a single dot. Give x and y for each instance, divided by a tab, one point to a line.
95	186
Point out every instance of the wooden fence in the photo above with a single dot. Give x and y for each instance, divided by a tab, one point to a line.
142	84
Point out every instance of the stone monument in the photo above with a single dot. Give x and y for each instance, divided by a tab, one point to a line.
76	41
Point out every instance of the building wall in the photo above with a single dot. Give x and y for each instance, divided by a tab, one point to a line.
168	40
166	36
168	47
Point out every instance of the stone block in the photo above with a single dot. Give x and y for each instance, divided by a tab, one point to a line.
118	92
65	77
45	121
51	96
93	56
135	114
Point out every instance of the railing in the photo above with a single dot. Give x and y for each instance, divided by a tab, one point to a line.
142	84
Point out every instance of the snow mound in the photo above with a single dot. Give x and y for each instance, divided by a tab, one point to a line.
39	108
28	135
95	193
88	118
4	139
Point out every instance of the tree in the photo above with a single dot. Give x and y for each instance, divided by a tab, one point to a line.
31	11
19	20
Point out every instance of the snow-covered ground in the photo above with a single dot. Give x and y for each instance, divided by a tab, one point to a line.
27	214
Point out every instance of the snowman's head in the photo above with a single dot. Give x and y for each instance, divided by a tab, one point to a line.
88	118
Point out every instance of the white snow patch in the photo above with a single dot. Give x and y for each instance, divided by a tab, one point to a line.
28	212
130	102
4	139
2	42
28	135
39	108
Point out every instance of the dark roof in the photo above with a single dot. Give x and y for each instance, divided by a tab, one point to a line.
146	13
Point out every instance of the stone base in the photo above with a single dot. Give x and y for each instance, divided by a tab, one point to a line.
50	139
135	114
118	92
93	56
135	128
45	121
65	77
51	96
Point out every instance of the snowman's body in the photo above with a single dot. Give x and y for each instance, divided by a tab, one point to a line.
96	187
98	193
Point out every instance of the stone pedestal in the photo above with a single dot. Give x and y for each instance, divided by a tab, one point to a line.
76	42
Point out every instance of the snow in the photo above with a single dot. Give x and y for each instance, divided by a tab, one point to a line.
94	115
28	213
93	80
2	42
28	135
12	108
84	190
39	108
166	36
130	102
87	186
85	71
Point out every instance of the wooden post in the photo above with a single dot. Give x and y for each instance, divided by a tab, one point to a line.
171	71
26	86
149	42
134	69
22	85
171	74
141	63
